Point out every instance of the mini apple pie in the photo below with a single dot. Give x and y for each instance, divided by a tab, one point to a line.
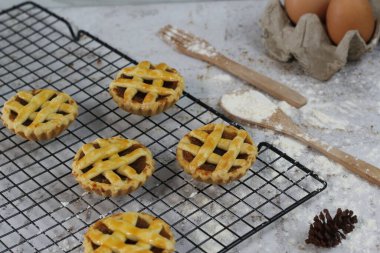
112	167
39	114
129	232
147	89
216	153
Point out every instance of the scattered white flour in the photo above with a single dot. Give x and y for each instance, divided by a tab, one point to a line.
317	162
292	147
319	119
371	224
196	45
279	127
64	203
248	105
222	78
347	107
325	167
201	47
67	243
192	195
373	154
288	109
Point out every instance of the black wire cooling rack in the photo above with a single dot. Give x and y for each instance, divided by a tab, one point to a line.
43	209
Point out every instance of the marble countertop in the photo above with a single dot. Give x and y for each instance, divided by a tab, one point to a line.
348	103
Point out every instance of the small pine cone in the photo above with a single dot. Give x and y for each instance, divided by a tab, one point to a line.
345	220
324	232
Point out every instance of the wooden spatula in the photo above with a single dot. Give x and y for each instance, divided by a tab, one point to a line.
199	48
281	123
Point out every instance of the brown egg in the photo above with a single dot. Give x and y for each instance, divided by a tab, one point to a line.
297	8
345	15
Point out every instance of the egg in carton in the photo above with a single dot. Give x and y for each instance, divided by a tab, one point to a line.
309	43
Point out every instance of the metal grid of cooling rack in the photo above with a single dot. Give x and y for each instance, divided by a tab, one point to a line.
43	209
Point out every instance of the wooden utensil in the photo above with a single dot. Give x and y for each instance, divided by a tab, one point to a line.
281	123
195	47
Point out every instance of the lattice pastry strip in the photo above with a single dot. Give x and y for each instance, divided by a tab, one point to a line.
216	153
39	114
112	166
129	232
207	148
147	89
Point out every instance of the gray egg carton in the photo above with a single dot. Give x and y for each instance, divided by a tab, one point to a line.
309	43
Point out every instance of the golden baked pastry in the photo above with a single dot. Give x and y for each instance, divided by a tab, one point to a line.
216	153
39	114
112	167
129	232
147	89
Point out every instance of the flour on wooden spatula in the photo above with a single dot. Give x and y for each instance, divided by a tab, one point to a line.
190	41
250	105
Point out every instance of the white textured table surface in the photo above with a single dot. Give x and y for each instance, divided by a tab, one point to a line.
344	112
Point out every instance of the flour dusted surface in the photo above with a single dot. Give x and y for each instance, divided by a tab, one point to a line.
319	119
249	105
344	190
289	145
232	25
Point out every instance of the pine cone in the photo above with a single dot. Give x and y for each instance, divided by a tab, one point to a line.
324	232
345	220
